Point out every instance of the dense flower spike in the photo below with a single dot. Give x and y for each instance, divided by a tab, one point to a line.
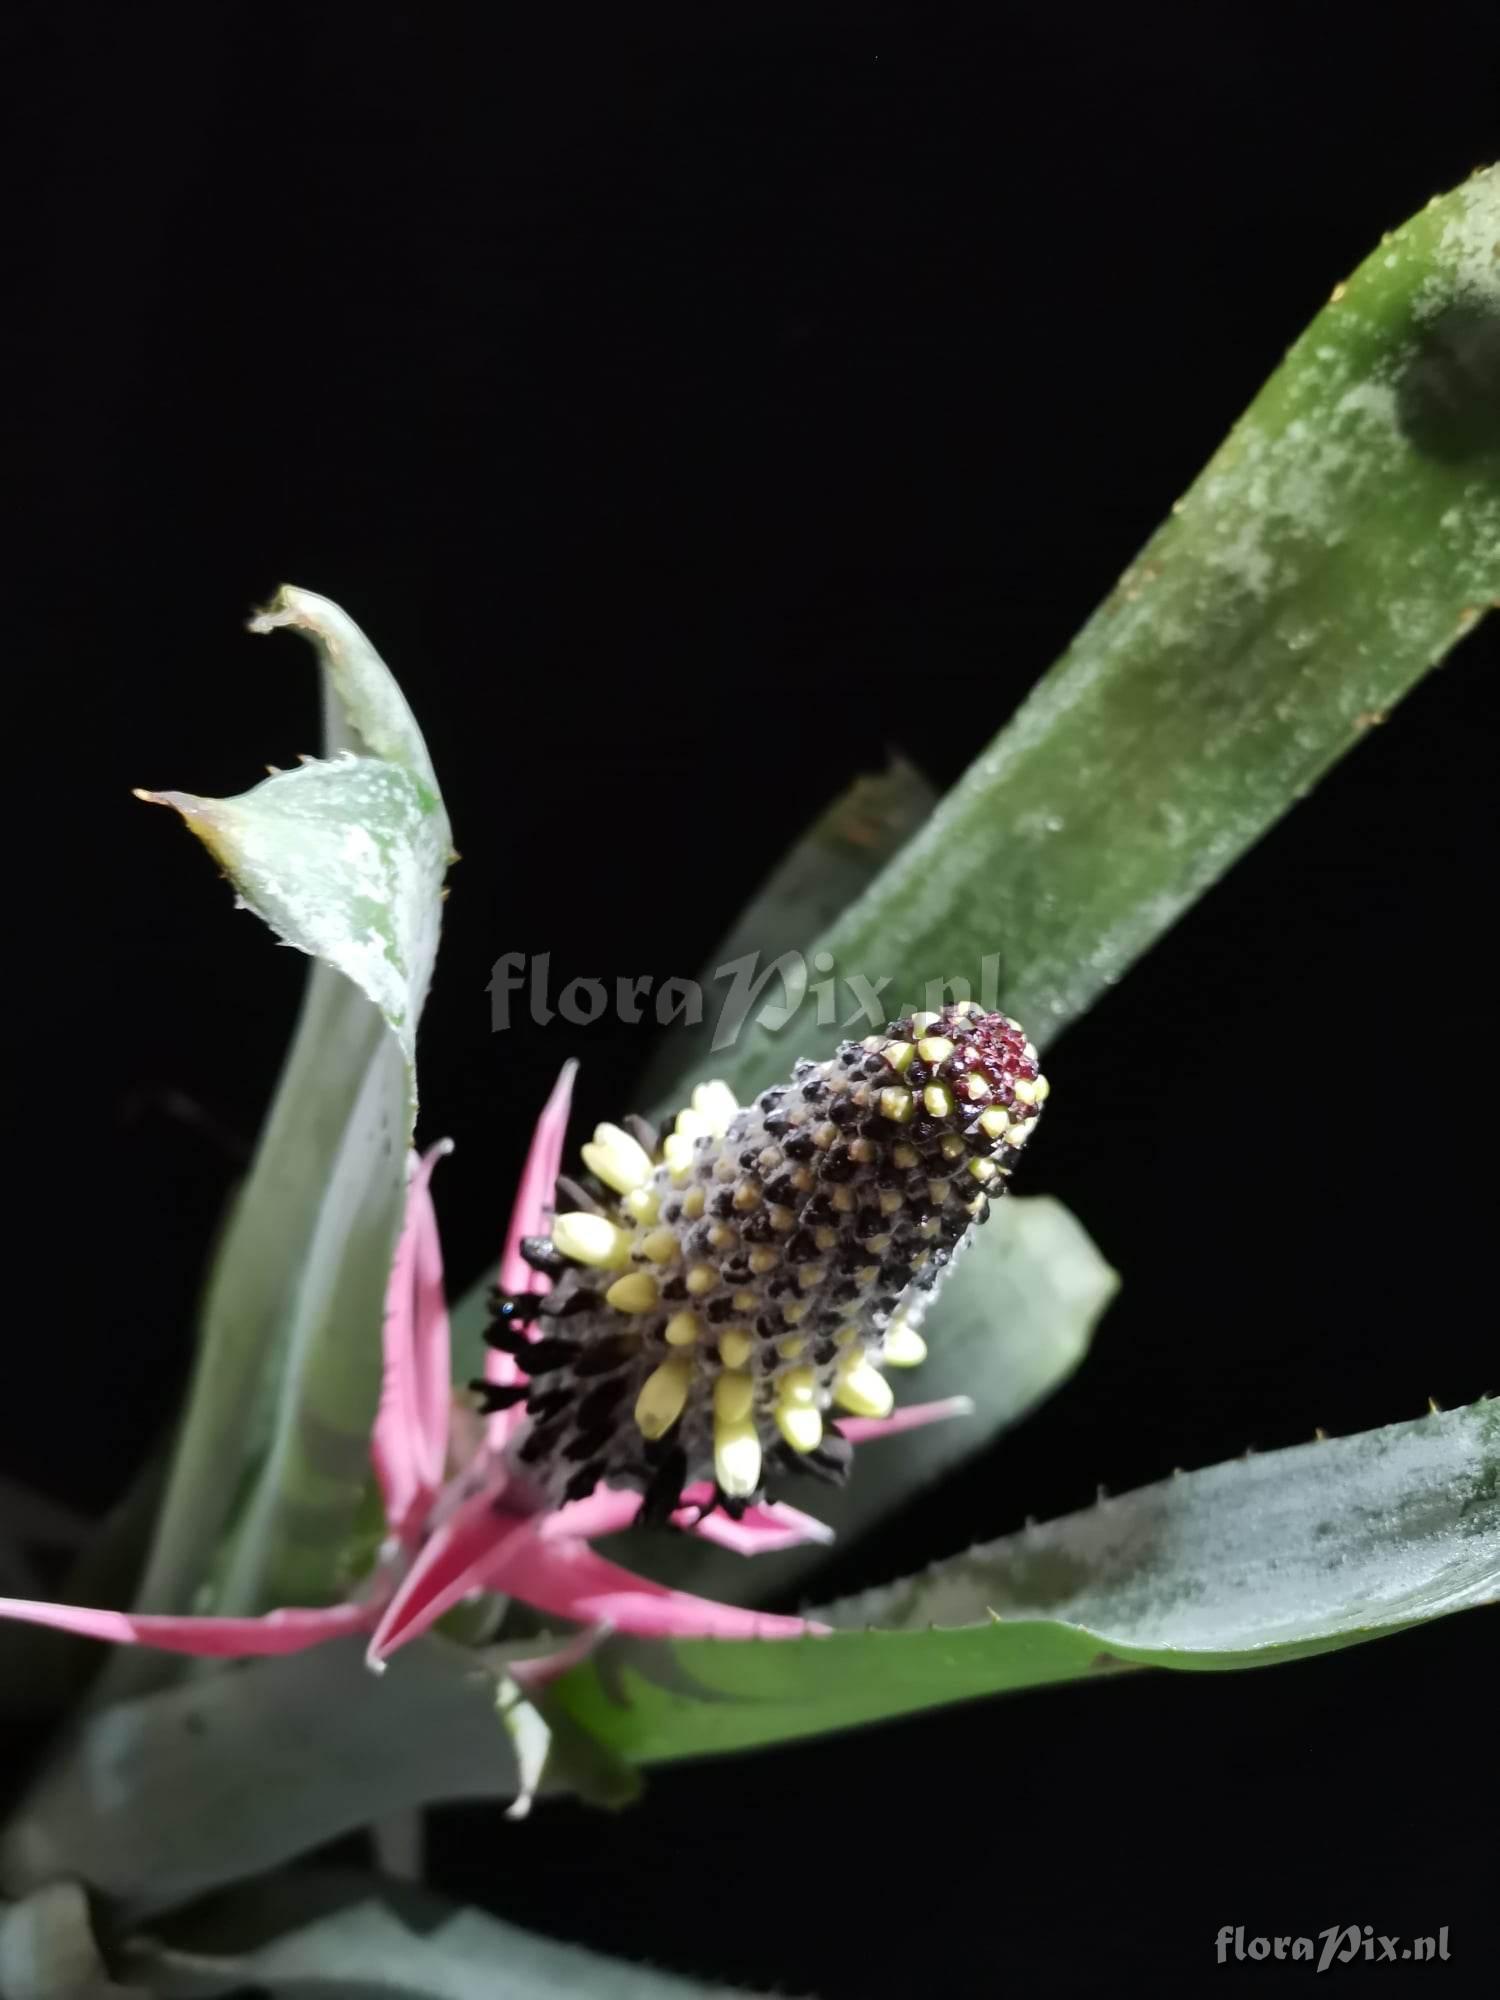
737	1282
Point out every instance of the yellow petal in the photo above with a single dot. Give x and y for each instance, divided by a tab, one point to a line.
620	1161
737	1458
864	1391
663	1395
716	1104
801	1426
590	1239
903	1346
735	1347
634	1293
798	1385
734	1394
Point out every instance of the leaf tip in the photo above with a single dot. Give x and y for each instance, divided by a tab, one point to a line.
289	607
204	817
187	804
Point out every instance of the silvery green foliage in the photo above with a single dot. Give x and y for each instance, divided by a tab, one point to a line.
1339	543
344	857
1268	1558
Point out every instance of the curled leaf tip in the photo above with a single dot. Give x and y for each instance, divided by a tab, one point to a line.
290	606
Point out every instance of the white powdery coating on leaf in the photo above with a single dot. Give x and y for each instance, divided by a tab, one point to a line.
1470	248
1287	1548
344	860
1283	494
1318	564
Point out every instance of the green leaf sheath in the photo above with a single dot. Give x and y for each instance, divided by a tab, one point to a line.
289	1544
249	1304
1265	1559
1342	539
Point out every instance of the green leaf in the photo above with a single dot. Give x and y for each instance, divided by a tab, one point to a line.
361	1938
171	1794
1266	1559
1011	1323
364	709
344	858
304	1505
814	882
1343	538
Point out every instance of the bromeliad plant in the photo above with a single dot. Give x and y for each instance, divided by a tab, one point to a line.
709	1318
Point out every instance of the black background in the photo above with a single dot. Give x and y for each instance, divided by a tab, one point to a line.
691	403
